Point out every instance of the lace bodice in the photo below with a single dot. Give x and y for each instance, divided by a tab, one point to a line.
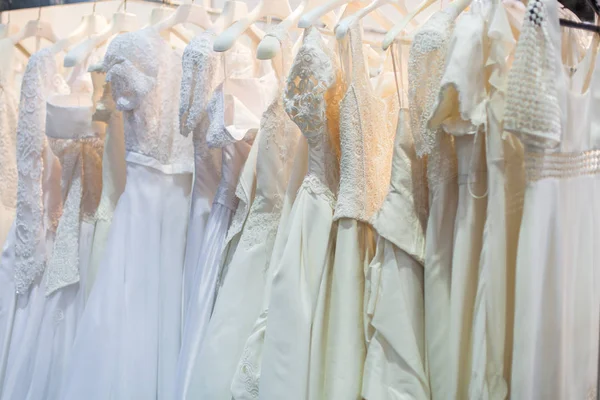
425	69
312	100
38	208
79	147
8	126
366	142
145	76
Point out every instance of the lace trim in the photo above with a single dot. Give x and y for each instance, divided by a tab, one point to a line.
315	186
532	106
561	165
30	257
426	62
8	146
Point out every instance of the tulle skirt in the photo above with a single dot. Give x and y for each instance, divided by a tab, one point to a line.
201	301
128	339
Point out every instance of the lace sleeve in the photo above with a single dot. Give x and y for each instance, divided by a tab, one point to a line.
31	141
131	69
200	65
532	104
307	84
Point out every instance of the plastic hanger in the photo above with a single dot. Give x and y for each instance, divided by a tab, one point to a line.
89	25
266	8
8	28
313	16
191	13
121	22
341	30
269	47
36	28
401	26
234	11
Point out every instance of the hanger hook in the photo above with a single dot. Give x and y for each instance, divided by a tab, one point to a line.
94	8
125	5
39	13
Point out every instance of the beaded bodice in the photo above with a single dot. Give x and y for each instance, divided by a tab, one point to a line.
366	141
312	100
145	74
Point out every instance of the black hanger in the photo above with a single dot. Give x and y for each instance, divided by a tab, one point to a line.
587	26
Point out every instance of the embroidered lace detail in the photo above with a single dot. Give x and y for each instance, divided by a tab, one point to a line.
8	145
39	79
366	143
81	161
312	98
250	374
261	226
532	106
425	69
240	215
145	76
314	185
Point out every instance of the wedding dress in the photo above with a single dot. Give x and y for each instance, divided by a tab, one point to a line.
250	241
557	307
493	313
8	139
365	167
128	339
40	318
247	373
396	362
291	342
113	173
425	70
203	71
460	112
233	114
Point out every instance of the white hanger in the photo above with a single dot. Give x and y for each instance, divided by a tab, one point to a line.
266	8
269	46
313	16
191	13
89	25
36	28
121	22
341	30
401	26
8	28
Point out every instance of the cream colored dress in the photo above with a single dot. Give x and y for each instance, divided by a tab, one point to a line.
557	300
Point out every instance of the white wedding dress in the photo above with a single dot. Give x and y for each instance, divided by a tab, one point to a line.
553	109
9	104
44	250
248	249
128	338
233	114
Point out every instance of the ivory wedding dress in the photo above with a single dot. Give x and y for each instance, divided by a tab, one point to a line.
425	70
292	341
460	112
557	300
250	242
366	146
128	339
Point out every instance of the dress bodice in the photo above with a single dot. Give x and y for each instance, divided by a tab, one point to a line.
145	75
78	145
426	63
8	125
366	141
38	192
234	112
312	100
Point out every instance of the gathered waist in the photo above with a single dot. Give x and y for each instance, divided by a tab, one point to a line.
186	167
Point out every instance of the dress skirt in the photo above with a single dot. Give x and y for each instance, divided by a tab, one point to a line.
128	339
